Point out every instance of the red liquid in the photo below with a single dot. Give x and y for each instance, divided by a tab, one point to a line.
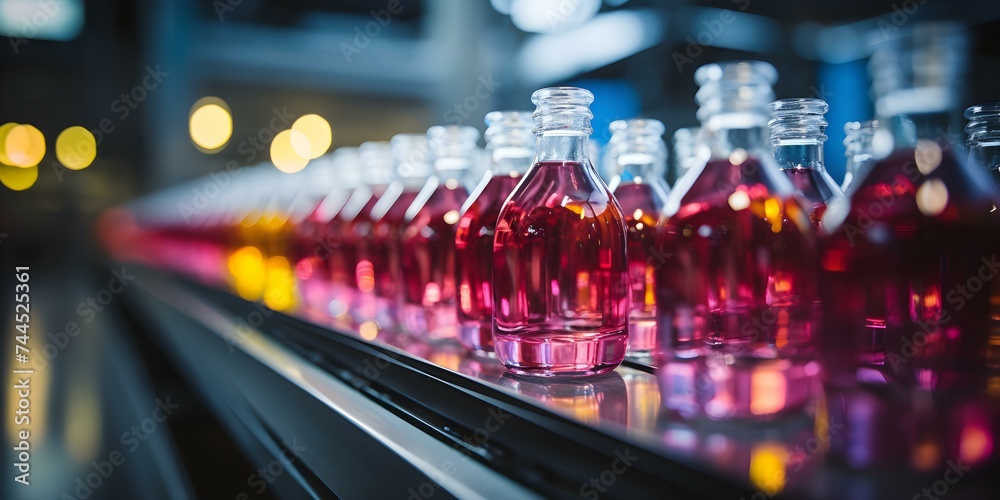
911	312
642	205
428	244
474	261
908	294
386	258
310	257
560	274
338	239
736	296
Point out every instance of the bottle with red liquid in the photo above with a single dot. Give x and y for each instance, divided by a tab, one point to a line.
510	144
909	293
636	159
560	274
736	272
413	167
310	254
798	131
858	150
379	173
428	239
339	238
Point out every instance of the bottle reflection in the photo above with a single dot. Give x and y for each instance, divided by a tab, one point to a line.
593	401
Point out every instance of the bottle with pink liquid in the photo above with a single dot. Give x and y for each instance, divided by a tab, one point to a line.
910	297
736	268
379	172
636	159
413	167
309	251
338	237
511	146
560	274
798	131
428	239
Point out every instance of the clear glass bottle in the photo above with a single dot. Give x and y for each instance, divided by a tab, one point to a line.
428	239
858	150
511	146
636	159
736	275
560	274
310	253
413	167
907	296
798	131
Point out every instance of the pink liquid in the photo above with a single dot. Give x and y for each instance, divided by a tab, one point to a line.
386	258
310	258
560	274
642	205
339	239
736	297
428	251
474	261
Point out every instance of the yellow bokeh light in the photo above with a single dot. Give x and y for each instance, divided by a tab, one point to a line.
368	330
76	148
767	467
318	136
283	154
210	124
24	146
4	130
17	178
246	268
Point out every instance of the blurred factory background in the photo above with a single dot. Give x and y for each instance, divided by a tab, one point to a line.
131	72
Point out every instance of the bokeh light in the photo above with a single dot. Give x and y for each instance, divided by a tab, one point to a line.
4	130
210	124
283	153
76	148
24	146
318	134
17	178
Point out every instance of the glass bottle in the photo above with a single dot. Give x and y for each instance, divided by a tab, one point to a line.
337	238
379	172
798	131
413	167
736	274
858	150
428	239
510	144
908	288
636	158
560	274
310	253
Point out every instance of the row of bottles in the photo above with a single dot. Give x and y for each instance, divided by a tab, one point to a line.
747	284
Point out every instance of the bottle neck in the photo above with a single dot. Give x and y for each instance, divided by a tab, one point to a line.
908	129
724	138
789	155
563	147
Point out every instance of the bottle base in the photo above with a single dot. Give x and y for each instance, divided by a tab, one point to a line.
432	323
642	337
564	354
